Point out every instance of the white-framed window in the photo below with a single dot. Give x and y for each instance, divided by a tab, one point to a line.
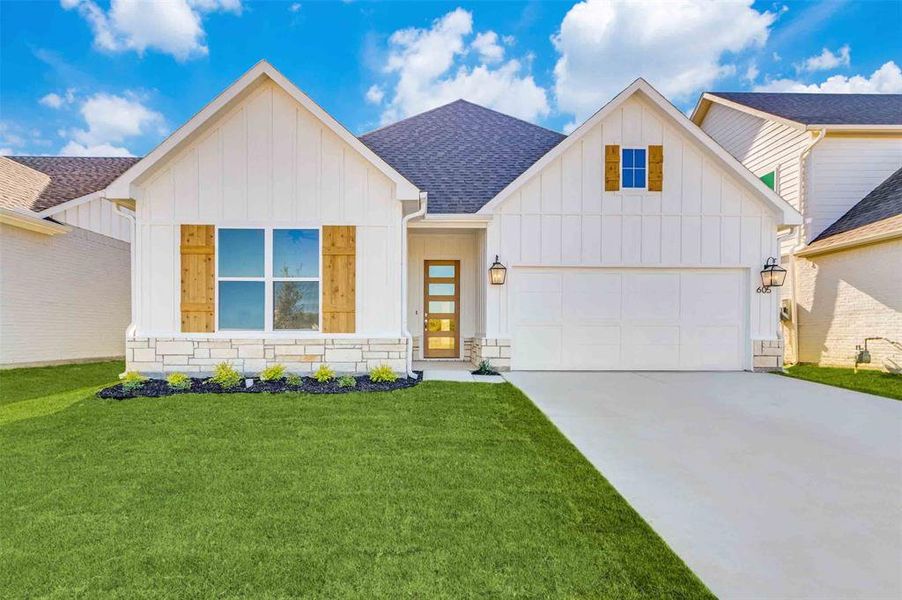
268	279
633	168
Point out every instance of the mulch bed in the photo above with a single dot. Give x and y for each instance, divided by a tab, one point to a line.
156	388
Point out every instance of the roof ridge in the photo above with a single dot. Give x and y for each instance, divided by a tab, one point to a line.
459	101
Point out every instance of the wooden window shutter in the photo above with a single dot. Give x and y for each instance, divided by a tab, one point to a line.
655	168
339	278
198	253
612	168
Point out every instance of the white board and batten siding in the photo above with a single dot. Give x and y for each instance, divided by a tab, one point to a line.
96	215
701	241
268	162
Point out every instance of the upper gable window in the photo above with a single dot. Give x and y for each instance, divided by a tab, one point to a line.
634	167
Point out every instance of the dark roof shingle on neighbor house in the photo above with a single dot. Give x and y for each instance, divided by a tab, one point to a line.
878	212
461	153
70	177
823	109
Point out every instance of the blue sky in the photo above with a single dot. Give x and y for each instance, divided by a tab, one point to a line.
99	78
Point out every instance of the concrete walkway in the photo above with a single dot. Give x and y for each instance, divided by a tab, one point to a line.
768	487
452	371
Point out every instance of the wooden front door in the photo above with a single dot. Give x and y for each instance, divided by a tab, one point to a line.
441	309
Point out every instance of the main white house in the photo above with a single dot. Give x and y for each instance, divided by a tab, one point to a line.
266	232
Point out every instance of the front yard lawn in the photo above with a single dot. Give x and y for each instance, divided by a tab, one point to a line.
442	490
869	382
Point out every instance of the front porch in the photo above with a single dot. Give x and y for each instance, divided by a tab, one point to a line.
447	280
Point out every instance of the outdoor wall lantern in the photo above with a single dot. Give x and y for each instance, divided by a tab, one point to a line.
772	275
497	272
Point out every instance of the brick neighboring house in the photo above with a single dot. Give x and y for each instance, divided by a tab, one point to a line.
836	158
64	261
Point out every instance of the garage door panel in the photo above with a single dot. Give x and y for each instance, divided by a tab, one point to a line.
711	297
643	319
650	296
537	348
651	356
710	348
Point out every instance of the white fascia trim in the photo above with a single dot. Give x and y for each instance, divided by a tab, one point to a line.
451	221
787	214
708	98
853	128
49	212
120	187
31	222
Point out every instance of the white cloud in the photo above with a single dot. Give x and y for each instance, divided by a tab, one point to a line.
110	121
430	68
826	60
6	152
375	94
678	46
295	7
171	26
885	80
73	148
751	73
486	44
52	100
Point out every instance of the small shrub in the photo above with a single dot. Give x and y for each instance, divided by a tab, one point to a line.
485	368
347	381
293	379
324	374
273	373
383	374
225	375
179	381
132	380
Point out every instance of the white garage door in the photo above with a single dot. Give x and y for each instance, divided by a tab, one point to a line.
648	319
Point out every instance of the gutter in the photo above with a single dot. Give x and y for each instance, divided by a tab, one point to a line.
405	331
124	212
803	192
31	222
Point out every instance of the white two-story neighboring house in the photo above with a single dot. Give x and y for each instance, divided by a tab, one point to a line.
837	158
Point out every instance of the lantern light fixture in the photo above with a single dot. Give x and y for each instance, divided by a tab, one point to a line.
772	275
497	272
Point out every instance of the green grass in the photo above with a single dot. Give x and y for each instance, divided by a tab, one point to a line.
439	491
22	384
869	382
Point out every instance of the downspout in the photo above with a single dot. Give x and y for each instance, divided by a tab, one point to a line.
421	210
122	212
803	192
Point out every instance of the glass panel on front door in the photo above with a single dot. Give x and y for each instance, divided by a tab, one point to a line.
441	301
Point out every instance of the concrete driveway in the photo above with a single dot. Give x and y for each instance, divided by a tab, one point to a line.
768	487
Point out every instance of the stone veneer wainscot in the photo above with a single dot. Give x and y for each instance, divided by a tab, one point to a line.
198	355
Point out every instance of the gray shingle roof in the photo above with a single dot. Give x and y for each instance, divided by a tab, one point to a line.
824	109
884	202
462	154
72	176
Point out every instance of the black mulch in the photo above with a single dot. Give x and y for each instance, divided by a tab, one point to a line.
155	388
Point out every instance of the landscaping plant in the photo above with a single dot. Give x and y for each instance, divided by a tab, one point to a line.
293	379
485	368
274	372
347	381
383	374
133	380
179	381
225	375
324	374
